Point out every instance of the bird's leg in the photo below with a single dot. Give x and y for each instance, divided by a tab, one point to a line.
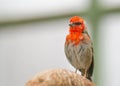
82	72
85	74
76	70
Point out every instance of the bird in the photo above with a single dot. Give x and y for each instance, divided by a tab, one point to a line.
79	48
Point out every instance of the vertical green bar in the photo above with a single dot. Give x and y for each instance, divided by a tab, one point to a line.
94	17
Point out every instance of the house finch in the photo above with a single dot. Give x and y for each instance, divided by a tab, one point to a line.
78	47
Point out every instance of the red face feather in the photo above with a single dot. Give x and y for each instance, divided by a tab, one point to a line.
75	31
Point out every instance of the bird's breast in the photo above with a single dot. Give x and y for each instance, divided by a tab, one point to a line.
77	54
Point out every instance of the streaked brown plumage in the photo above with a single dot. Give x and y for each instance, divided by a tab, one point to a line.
78	47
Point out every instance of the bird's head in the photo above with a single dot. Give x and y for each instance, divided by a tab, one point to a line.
77	24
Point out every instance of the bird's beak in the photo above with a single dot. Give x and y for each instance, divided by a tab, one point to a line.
71	24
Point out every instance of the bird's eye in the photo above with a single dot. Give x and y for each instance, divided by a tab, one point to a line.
77	23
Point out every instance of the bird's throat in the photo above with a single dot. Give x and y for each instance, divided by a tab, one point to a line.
75	37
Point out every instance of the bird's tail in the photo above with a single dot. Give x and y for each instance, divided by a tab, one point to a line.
90	71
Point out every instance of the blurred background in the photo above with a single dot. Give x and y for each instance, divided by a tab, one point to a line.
32	35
